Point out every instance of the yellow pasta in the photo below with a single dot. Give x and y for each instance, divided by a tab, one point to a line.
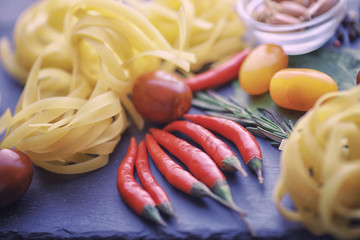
213	27
40	25
320	165
78	60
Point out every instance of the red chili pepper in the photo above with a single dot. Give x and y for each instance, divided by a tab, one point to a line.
223	156
173	172
219	75
182	179
149	182
243	139
197	161
131	191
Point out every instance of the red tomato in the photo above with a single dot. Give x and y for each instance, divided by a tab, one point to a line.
161	97
358	78
16	171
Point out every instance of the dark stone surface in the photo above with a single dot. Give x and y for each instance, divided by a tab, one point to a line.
88	206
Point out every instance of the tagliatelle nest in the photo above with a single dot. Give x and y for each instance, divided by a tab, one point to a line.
321	167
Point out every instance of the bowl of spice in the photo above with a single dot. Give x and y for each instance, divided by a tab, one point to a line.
299	26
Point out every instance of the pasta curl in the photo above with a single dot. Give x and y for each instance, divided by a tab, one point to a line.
321	167
78	60
211	26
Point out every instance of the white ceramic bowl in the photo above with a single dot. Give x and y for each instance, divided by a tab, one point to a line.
294	38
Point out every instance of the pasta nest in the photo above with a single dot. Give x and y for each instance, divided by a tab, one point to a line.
320	165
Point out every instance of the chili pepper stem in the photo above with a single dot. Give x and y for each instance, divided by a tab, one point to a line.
167	208
255	164
228	204
248	225
232	163
152	213
235	208
199	189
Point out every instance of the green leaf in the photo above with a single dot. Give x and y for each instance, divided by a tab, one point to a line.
342	64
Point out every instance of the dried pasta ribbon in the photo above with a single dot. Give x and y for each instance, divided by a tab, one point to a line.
211	25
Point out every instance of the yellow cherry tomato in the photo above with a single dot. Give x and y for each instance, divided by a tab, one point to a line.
299	88
259	67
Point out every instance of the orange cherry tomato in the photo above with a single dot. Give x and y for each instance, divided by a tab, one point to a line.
161	97
16	173
259	67
298	89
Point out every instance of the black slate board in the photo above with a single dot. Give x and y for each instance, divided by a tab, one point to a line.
88	206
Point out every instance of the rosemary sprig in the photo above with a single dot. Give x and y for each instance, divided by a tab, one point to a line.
265	123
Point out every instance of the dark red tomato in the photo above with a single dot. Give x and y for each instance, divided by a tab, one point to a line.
358	78
16	172
161	97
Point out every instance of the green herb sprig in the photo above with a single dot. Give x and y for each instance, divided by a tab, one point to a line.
265	123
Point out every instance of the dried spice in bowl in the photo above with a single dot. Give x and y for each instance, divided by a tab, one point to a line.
280	12
299	33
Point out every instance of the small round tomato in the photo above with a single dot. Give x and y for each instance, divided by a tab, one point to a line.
298	88
259	67
161	96
16	172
